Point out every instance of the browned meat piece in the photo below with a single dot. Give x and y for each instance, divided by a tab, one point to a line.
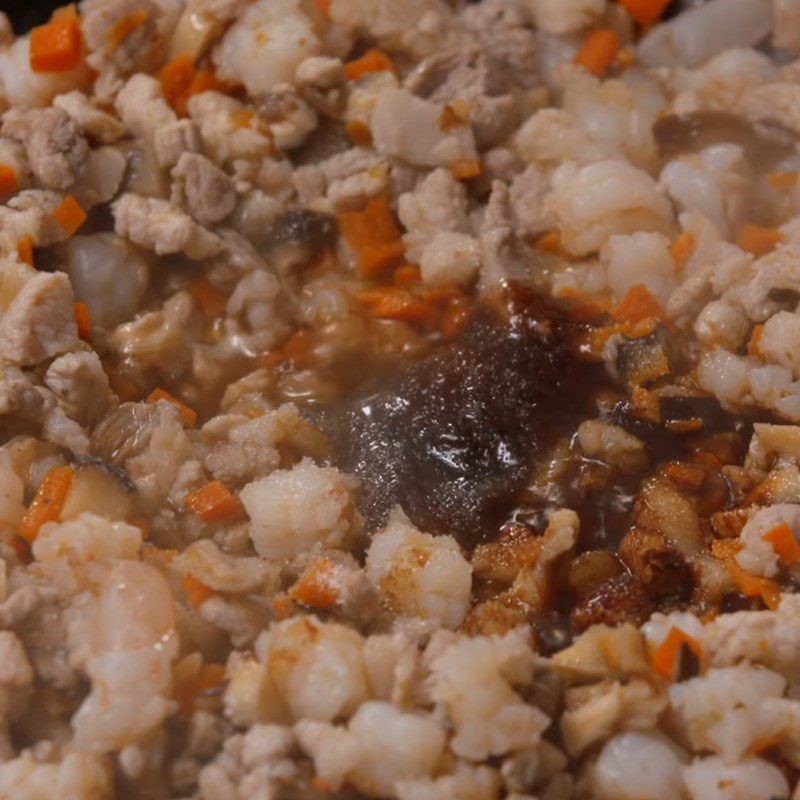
590	570
621	599
659	565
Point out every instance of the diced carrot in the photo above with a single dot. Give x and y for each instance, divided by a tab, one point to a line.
466	170
210	677
56	47
121	384
315	587
176	78
748	584
645	12
665	658
188	416
373	236
589	346
784	544
408	273
359	132
82	321
125	26
754	586
69	215
637	305
598	51
645	405
297	349
47	504
782	180
25	250
755	338
211	301
682	248
372	61
9	182
196	591
550	242
205	81
324	7
389	302
215	502
758	240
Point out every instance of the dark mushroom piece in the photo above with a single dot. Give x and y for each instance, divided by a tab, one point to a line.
643	361
297	236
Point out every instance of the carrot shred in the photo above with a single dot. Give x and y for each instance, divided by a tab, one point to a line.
315	587
598	51
637	305
21	548
758	240
208	678
682	248
373	236
389	302
56	47
214	502
645	12
82	321
211	301
408	273
665	658
466	170
187	415
25	249
755	338
374	60
784	544
196	591
69	215
9	183
782	180
47	504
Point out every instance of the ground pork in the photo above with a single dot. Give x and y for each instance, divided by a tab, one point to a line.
55	146
162	227
206	191
40	321
81	385
438	204
97	125
283	521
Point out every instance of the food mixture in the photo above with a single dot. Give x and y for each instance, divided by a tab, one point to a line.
400	399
